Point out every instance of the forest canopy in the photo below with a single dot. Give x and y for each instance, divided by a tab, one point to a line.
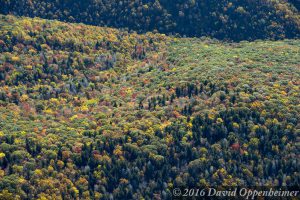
90	112
222	19
129	99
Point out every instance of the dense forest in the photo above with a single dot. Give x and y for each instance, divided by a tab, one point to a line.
99	113
222	19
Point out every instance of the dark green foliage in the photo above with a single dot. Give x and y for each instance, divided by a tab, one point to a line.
223	19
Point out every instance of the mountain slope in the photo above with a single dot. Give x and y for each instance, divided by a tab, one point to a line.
226	19
89	112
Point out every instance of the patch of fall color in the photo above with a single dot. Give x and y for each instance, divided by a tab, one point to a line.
235	146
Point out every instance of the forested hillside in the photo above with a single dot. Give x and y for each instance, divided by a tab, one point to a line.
89	112
223	19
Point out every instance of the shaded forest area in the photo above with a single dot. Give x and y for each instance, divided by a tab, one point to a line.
222	19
